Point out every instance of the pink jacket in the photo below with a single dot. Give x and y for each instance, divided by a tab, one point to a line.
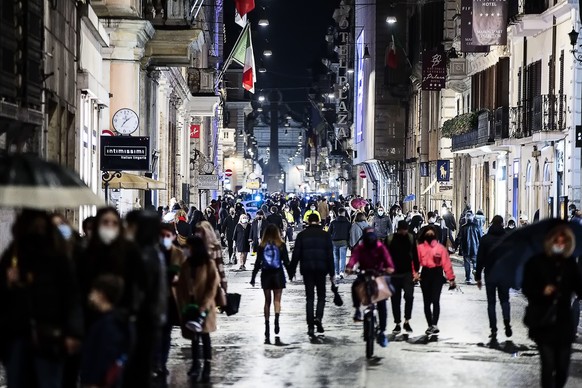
435	255
377	258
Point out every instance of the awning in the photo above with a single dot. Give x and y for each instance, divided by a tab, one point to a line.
135	182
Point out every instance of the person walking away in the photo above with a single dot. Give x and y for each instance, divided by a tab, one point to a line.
549	281
276	219
323	210
106	345
357	230
43	322
242	239
433	258
312	210
227	230
197	287
404	254
173	258
339	229
222	214
258	227
468	241
313	252
371	255
485	262
272	258
382	224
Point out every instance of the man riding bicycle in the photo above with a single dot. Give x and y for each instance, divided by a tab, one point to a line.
371	255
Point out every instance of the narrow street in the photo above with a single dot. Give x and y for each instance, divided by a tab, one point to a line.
461	357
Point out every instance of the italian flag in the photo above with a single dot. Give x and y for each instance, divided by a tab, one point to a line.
242	54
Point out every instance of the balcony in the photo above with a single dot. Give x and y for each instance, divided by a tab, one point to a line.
545	113
482	128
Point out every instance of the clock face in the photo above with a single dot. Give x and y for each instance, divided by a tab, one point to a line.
125	121
207	168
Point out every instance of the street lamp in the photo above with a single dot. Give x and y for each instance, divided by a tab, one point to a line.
350	71
391	19
267	53
263	21
573	35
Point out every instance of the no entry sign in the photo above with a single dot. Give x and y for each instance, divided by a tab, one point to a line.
363	174
228	172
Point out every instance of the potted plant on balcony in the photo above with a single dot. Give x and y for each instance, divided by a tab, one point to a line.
460	124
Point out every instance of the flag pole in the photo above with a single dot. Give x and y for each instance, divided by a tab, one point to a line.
229	59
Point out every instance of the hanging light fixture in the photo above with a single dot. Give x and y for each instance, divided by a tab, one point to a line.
366	53
263	21
267	51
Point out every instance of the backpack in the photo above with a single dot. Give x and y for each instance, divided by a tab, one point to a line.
272	257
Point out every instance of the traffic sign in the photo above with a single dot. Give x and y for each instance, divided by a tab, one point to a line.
363	174
228	172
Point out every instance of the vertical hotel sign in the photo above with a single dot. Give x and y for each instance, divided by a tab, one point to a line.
467	44
489	22
360	89
341	16
434	70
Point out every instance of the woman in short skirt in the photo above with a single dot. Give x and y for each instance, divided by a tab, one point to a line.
272	273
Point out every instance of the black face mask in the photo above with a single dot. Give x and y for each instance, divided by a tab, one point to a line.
370	240
430	238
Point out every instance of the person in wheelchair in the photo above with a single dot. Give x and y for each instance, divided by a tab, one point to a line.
371	255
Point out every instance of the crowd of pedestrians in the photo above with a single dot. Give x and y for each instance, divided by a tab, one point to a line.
98	309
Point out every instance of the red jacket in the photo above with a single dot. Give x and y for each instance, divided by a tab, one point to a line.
435	255
376	258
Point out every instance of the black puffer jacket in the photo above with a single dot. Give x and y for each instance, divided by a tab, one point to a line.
314	250
485	260
339	229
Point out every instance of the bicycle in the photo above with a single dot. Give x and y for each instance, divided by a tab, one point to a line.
371	328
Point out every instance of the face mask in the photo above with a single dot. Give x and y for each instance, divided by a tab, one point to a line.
167	243
312	207
66	231
108	235
244	220
431	220
558	249
429	237
380	213
511	226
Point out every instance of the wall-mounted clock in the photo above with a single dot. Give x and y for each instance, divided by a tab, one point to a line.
125	121
207	168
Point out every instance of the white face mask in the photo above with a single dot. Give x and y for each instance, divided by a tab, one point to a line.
558	249
244	220
431	220
312	207
167	243
107	234
380	213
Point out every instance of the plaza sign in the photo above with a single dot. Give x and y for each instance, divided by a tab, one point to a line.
343	108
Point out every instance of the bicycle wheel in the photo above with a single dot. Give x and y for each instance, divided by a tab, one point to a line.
369	331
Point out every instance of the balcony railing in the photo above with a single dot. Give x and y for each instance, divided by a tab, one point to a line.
539	114
489	126
464	141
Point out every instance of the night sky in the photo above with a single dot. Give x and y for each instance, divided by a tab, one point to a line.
296	36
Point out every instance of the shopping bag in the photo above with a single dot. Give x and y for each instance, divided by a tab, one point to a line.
232	304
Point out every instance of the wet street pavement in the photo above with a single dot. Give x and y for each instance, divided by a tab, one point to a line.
462	355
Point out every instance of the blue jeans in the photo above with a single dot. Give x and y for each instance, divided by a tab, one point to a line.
24	369
470	263
340	251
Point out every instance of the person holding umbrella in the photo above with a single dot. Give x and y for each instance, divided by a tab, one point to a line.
549	281
485	261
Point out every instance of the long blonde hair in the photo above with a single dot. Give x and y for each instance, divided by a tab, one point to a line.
272	235
209	235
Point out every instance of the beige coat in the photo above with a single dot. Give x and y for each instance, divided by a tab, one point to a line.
200	289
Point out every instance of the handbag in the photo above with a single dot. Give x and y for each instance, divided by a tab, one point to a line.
539	317
220	298
232	304
374	289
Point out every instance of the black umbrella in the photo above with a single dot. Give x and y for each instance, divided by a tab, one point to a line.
27	181
517	247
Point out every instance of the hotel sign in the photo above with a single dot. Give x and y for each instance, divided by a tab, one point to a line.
343	107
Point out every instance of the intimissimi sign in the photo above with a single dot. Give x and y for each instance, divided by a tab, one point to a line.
343	108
